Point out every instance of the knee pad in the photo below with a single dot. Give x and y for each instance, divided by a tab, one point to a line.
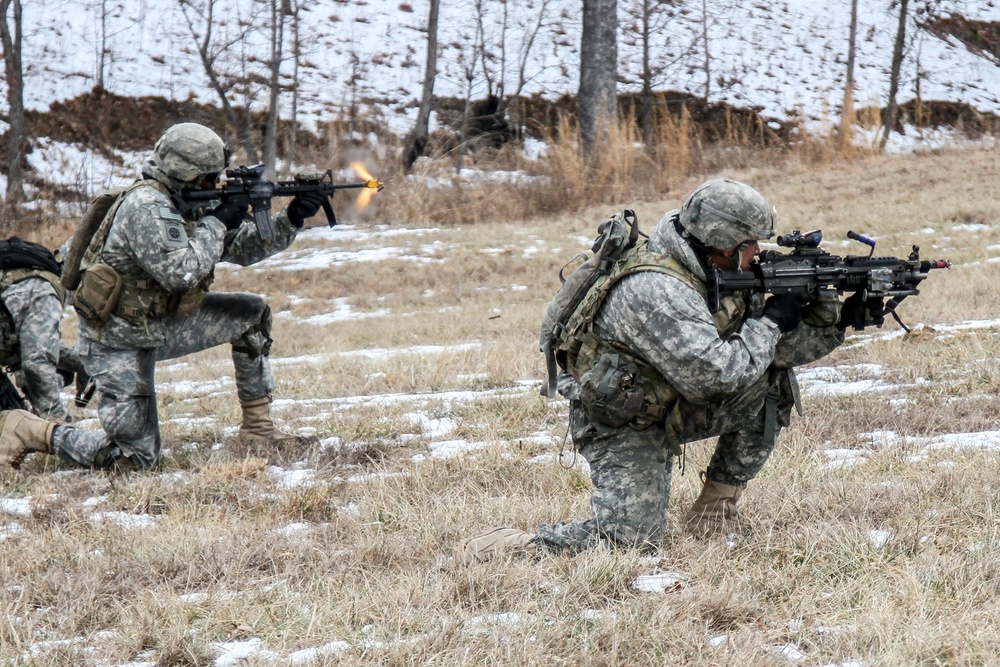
256	341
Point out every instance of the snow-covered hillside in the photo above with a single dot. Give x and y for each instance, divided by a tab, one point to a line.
783	57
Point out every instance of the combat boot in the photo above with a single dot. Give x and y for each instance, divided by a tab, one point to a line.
485	546
20	434
258	428
715	509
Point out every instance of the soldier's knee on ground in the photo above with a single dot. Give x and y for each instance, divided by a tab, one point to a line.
634	532
130	424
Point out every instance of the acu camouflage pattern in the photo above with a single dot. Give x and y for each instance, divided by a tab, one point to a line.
723	214
582	350
722	381
187	151
125	376
150	240
35	305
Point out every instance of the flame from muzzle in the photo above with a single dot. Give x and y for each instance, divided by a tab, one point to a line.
374	186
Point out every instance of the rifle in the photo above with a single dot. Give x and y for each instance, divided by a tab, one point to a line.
10	398
248	187
808	269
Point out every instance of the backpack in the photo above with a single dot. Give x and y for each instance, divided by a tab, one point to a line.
16	253
615	236
92	219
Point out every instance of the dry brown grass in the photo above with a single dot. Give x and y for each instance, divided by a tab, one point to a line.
225	550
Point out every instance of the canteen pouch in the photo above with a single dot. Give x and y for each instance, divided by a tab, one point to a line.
98	293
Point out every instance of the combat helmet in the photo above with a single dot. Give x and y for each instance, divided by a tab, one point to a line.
187	151
723	214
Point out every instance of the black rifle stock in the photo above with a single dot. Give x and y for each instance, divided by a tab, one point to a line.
808	270
248	188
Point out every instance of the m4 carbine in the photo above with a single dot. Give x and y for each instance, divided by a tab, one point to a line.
808	270
248	188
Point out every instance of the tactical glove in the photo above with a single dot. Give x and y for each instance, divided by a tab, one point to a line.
304	206
229	214
859	312
783	310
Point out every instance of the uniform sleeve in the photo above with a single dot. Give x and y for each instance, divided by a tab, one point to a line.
158	243
669	324
805	344
244	245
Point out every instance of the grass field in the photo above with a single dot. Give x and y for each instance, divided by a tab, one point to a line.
411	351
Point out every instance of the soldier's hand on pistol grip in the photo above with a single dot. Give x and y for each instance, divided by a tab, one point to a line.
783	310
304	205
859	312
229	214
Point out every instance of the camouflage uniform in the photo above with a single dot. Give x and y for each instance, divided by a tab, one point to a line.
36	307
723	381
156	248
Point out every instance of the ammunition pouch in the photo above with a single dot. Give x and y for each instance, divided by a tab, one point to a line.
611	392
98	294
144	298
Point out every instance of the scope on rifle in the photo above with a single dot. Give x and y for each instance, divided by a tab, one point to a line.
243	171
798	239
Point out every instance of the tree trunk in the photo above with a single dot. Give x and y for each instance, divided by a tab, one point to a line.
10	35
846	136
708	60
647	75
296	63
889	119
598	99
416	142
274	85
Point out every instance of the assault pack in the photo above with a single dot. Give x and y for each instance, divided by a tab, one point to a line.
16	253
98	209
615	236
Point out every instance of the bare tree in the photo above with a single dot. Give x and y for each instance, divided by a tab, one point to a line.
847	110
102	46
891	109
598	98
708	60
295	7
416	142
529	36
10	36
648	29
276	10
469	59
200	21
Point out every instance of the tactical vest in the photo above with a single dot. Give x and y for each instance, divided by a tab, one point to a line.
144	298
579	349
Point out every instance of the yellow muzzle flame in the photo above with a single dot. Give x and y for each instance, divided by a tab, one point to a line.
371	185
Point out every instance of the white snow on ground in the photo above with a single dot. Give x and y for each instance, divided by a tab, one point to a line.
488	624
660	582
125	520
428	417
16	506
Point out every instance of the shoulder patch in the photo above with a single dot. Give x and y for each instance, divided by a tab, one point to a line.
172	229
